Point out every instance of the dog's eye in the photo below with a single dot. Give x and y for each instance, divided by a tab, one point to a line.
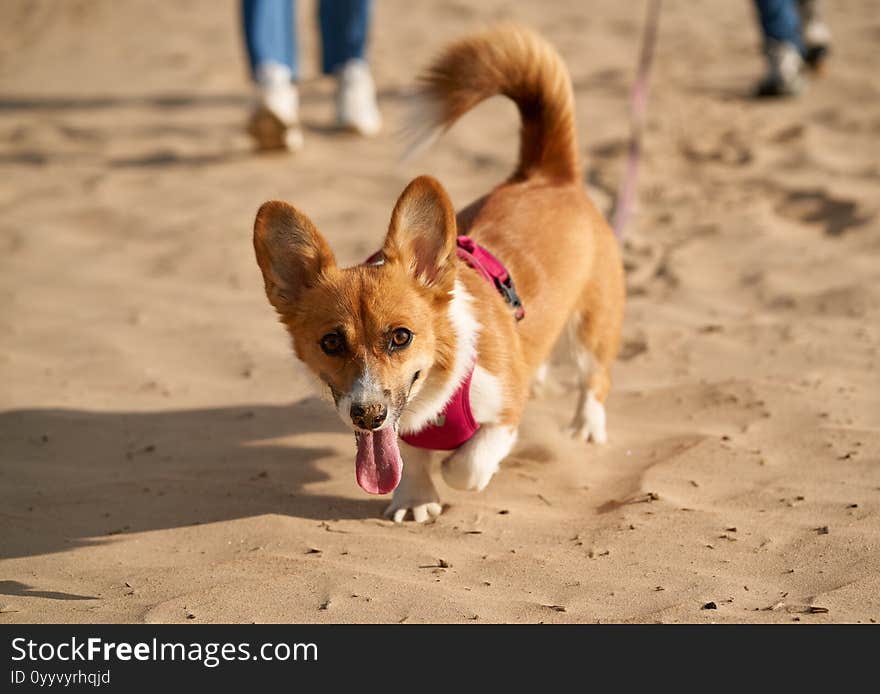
332	344
401	338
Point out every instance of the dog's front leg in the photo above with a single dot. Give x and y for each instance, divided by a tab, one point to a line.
473	465
416	491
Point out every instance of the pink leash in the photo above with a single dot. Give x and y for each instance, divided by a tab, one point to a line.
639	99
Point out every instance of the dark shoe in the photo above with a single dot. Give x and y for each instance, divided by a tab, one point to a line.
816	35
784	71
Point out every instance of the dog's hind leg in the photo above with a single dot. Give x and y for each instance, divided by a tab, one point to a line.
594	332
594	349
589	415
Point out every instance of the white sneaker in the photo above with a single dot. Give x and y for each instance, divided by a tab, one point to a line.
356	107
274	122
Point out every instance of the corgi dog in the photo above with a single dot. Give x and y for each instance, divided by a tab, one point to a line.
417	330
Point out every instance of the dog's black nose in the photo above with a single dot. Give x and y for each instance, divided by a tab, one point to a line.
368	416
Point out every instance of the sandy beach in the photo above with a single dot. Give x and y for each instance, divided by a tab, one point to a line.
162	455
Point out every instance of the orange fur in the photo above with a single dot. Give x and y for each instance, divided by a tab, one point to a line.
540	223
517	63
364	303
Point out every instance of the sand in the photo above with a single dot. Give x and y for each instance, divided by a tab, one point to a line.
162	458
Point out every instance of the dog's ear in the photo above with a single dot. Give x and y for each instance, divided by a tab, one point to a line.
422	233
290	251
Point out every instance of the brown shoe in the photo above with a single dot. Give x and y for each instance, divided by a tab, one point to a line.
271	133
274	123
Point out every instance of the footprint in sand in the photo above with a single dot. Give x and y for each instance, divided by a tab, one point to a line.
727	149
643	261
816	206
633	346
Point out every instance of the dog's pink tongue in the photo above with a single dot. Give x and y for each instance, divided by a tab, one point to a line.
378	465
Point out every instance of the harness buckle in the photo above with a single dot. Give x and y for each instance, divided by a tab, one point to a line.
508	290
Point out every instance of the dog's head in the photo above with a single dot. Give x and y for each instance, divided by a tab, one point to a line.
372	333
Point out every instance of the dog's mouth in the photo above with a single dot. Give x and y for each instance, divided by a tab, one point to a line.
378	465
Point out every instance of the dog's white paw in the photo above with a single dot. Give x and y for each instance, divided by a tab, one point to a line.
421	512
472	466
415	494
589	425
467	472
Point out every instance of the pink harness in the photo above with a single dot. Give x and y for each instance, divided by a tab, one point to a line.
456	423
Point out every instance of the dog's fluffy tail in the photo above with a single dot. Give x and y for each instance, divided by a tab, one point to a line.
516	62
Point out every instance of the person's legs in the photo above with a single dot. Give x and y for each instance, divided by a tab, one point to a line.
780	21
271	47
344	29
269	34
781	26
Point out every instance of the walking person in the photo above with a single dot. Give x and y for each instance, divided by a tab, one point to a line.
795	38
270	38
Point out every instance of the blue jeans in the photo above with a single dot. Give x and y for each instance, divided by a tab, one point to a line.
780	20
270	35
